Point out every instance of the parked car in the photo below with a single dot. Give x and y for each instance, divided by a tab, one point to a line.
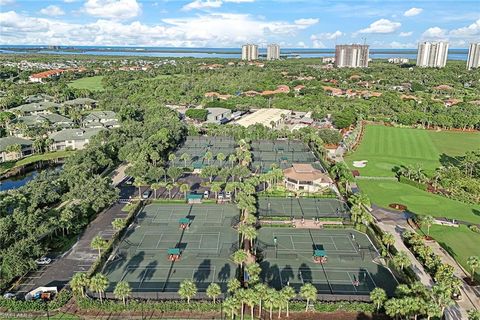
130	181
43	261
228	194
220	195
146	194
206	194
9	295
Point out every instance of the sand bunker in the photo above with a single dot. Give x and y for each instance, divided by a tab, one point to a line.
360	164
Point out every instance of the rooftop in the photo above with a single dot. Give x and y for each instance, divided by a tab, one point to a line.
10	140
305	172
37	106
263	116
80	101
74	134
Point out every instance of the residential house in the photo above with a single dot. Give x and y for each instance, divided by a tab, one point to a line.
218	115
53	119
81	103
101	119
304	177
8	155
39	77
36	108
72	139
42	97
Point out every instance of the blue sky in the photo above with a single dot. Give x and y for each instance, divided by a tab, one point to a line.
229	23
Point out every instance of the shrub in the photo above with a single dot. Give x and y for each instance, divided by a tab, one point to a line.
474	228
197	114
412	183
136	305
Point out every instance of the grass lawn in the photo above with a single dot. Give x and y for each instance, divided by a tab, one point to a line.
90	83
387	147
4	167
421	202
460	243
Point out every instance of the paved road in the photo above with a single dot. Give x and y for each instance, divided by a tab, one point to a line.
80	257
395	223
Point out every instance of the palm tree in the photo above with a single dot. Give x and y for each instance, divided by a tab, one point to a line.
270	300
231	305
356	212
253	269
361	199
251	300
187	290
262	290
308	292
208	156
185	157
401	260
241	296
184	188
378	297
221	157
139	182
427	221
99	244
288	294
388	239
99	283
232	158
240	257
79	282
169	188
118	223
122	291
250	233
233	285
213	291
216	187
155	187
473	263
171	158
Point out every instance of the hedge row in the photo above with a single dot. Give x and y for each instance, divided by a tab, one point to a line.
12	305
412	183
136	305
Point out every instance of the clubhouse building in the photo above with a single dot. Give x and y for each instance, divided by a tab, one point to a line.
304	177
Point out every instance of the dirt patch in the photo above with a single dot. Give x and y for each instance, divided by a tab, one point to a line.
398	206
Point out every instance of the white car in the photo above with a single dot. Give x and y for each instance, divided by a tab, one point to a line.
206	194
9	295
43	261
228	194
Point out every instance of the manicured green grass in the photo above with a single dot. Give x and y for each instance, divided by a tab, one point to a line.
4	167
387	147
420	202
90	83
460	243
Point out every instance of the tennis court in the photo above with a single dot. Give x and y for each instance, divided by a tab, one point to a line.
351	268
282	153
170	243
298	208
197	146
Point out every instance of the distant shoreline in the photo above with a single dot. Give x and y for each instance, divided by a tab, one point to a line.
225	53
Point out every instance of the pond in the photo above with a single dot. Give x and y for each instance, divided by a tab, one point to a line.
25	175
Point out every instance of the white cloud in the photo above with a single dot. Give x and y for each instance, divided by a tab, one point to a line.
239	1
52	11
69	1
6	2
306	21
316	42
214	29
301	44
199	4
382	26
405	34
113	9
473	30
329	35
435	33
412	12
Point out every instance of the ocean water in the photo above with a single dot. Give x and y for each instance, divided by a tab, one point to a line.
232	53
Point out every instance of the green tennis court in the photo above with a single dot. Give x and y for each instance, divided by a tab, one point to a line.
200	234
307	208
351	267
197	146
